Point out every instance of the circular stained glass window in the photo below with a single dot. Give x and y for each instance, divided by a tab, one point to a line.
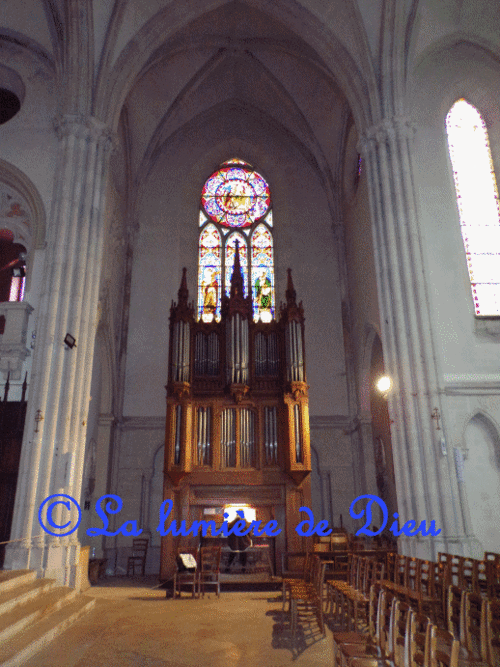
235	195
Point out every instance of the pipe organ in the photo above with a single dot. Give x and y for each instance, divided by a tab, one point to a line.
237	428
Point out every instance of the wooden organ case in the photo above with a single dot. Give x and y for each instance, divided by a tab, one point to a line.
237	428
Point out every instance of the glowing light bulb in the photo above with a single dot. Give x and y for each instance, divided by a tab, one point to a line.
384	384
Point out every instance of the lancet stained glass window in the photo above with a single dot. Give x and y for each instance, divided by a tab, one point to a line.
262	274
235	205
478	203
209	274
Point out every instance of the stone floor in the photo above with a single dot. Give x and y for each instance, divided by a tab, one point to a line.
135	625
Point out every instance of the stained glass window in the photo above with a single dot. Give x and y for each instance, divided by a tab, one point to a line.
230	253
235	195
235	206
262	274
478	203
209	276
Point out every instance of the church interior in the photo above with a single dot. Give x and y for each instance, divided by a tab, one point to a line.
244	263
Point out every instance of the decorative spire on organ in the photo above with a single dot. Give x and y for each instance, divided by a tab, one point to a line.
237	277
182	310
237	311
237	302
183	293
181	318
290	310
291	294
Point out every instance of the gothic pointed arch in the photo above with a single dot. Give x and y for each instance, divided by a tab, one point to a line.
235	213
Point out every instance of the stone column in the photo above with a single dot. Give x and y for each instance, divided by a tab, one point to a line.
54	440
425	471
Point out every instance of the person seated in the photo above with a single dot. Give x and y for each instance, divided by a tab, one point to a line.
238	544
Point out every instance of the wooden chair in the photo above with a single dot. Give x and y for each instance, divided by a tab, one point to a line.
308	596
377	602
467	574
443	648
474	624
138	557
431	589
379	650
419	637
454	613
401	570
334	588
400	629
413	566
390	565
493	632
357	601
493	577
303	575
209	570
347	593
184	577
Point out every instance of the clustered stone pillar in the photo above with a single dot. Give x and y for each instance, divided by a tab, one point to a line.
54	440
425	472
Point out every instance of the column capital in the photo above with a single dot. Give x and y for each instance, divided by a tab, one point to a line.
386	130
85	127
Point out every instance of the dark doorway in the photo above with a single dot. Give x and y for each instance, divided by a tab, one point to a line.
12	416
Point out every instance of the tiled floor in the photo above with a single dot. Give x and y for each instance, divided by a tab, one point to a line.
133	625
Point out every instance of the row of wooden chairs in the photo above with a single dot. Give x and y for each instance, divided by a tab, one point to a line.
477	576
474	622
424	583
305	595
349	599
401	638
398	636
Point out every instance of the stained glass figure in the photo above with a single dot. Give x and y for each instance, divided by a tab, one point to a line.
262	274
209	274
478	203
235	195
230	252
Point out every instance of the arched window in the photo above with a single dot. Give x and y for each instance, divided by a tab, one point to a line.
12	267
235	208
478	204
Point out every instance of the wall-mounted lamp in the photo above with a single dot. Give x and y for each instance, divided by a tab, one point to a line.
384	385
70	341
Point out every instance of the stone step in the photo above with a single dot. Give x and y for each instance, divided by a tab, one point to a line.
10	579
19	648
21	594
18	618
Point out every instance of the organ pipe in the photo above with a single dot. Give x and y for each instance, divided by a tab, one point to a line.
270	436
204	429
298	434
294	353
178	427
206	356
237	350
247	437
228	437
180	361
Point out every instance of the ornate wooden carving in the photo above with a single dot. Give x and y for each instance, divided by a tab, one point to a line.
249	455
